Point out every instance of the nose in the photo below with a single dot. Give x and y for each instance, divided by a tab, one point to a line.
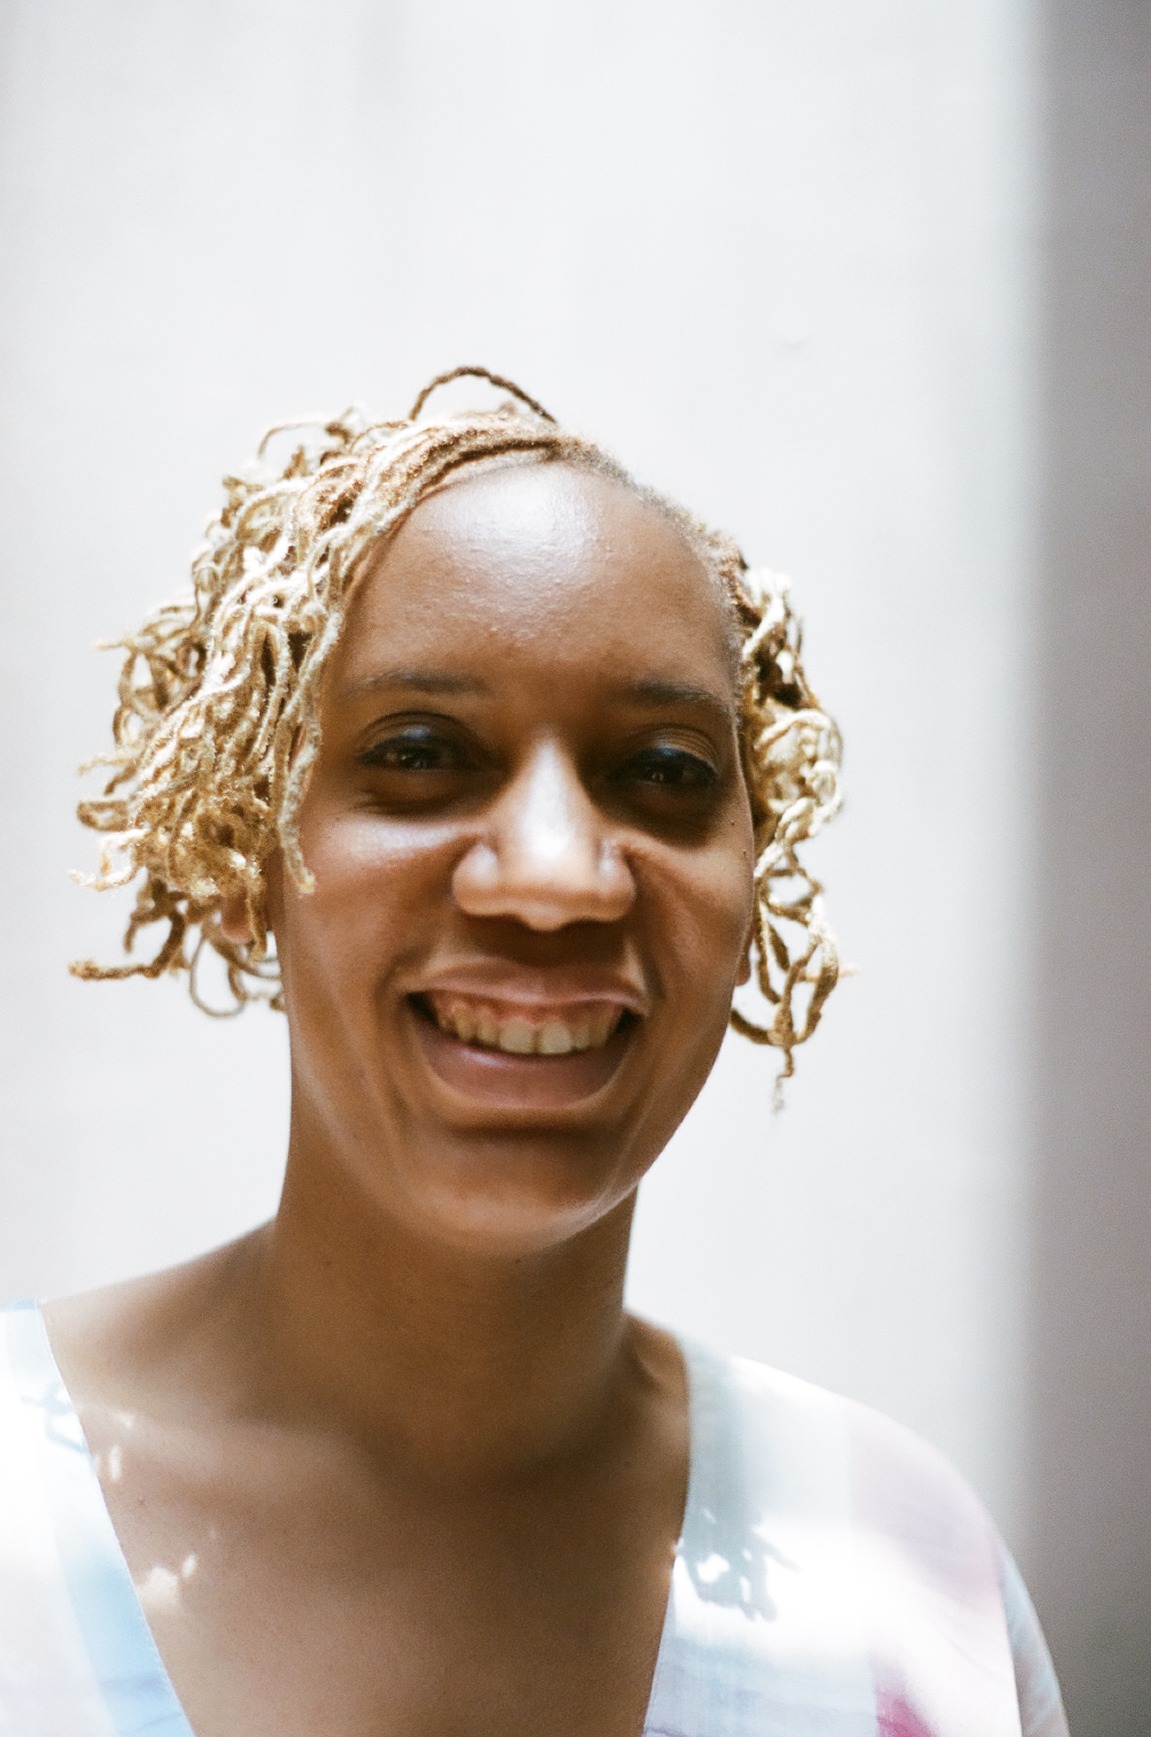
545	858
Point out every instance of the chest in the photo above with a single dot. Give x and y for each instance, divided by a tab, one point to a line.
294	1605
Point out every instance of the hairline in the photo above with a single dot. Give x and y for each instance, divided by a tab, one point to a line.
593	460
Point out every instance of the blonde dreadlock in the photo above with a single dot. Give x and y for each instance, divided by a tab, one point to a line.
216	731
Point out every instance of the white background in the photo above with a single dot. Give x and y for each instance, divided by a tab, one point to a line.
785	259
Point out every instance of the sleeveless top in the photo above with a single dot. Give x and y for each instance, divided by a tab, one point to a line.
835	1577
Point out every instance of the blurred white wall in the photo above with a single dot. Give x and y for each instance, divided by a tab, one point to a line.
782	257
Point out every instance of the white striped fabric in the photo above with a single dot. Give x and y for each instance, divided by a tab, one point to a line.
836	1578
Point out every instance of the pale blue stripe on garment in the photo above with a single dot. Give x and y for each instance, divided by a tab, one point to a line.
125	1662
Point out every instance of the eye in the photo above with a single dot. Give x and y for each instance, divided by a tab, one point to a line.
671	769
416	748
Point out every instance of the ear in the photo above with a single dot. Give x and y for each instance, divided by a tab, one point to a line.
234	922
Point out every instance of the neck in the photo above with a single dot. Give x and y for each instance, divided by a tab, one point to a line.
463	1364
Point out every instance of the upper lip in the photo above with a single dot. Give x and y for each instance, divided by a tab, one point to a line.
535	988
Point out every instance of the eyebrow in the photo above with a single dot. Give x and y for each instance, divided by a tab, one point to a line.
419	681
654	692
650	692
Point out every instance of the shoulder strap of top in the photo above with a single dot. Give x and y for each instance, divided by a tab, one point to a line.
759	1635
830	1562
76	1654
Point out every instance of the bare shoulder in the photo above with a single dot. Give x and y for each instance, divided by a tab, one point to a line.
138	1342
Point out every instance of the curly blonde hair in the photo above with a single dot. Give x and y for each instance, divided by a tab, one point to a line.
216	731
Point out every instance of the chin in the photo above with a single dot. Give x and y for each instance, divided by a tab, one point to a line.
521	1196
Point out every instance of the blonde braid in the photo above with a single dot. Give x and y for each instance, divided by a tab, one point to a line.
792	751
216	731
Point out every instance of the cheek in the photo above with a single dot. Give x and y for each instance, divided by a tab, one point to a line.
701	909
375	887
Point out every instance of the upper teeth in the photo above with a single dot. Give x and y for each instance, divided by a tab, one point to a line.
586	1027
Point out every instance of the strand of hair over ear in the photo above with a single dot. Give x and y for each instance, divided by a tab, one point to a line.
792	752
216	729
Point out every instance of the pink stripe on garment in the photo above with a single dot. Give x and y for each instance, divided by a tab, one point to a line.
940	1651
896	1719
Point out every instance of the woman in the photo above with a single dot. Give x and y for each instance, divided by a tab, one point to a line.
512	759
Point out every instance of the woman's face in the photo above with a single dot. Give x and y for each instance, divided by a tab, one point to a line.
532	853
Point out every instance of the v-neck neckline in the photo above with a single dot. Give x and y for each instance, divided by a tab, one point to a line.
117	1632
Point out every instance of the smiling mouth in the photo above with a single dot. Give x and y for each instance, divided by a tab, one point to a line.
519	1030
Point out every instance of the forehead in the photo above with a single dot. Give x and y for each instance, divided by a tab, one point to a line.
544	559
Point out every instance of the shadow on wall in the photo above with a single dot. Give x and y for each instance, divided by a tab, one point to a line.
1091	1398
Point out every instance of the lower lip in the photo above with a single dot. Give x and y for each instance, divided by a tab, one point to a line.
520	1082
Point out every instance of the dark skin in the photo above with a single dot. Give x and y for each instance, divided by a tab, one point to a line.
399	1462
